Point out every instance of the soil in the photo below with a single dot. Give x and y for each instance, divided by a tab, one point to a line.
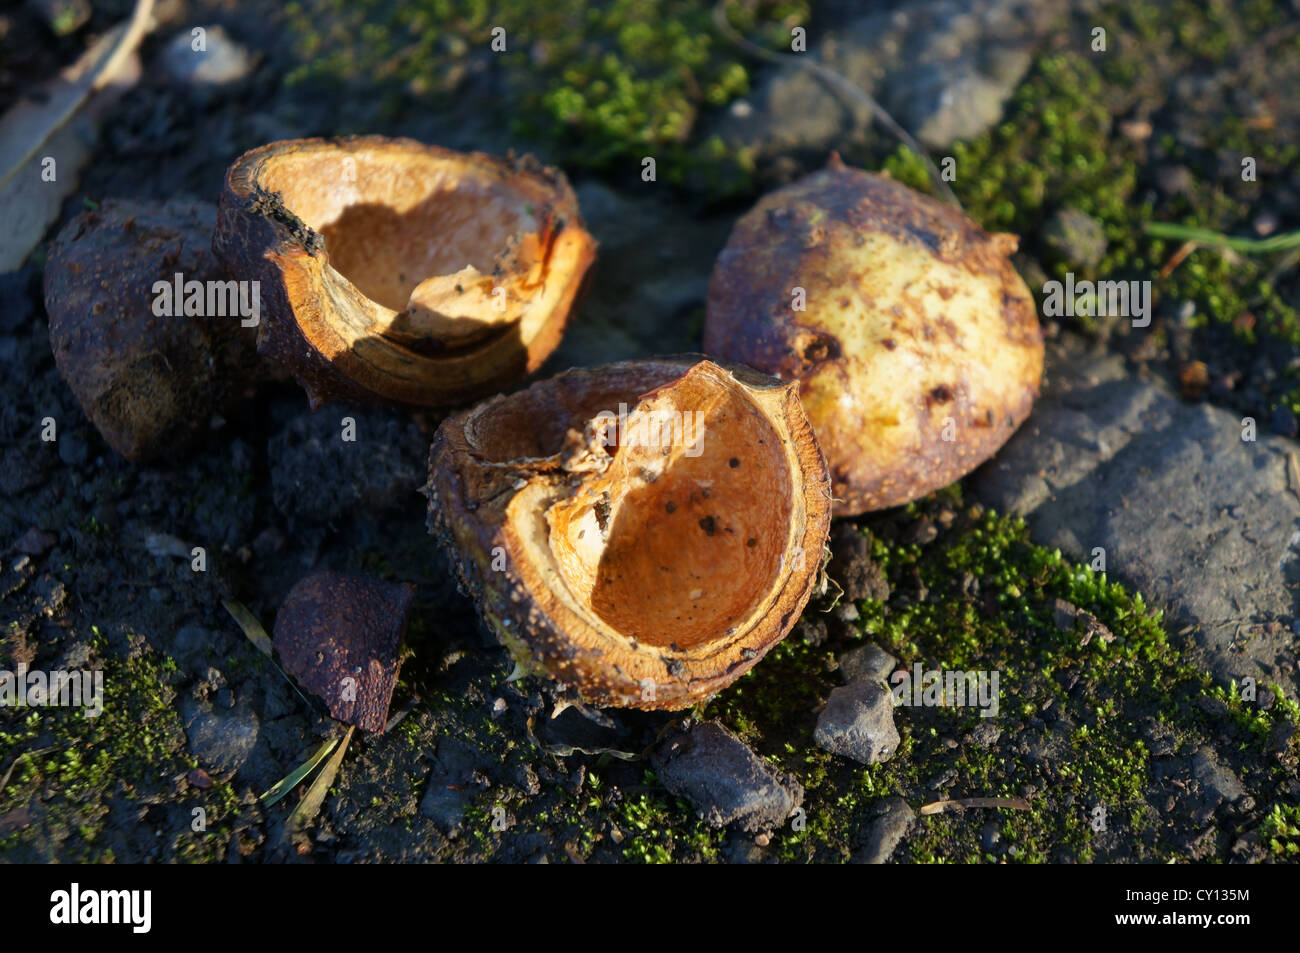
98	573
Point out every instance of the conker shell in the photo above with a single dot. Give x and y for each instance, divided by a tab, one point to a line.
625	547
400	273
915	343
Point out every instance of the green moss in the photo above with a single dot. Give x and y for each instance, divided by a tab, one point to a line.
131	752
1057	146
1101	693
605	85
1280	832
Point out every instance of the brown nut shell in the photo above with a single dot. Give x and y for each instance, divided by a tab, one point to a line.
918	353
642	532
400	273
340	635
149	382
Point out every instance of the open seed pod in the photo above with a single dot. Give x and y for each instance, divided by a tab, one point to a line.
915	343
642	532
400	273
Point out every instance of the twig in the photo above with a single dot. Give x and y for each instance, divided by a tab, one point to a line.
132	33
842	86
1183	251
938	807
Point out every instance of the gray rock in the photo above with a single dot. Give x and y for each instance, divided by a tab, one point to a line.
221	740
1077	237
723	779
886	831
867	661
220	62
943	68
858	723
1107	462
1218	784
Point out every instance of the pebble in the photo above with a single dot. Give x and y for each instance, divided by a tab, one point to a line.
723	779
867	661
222	62
886	832
858	723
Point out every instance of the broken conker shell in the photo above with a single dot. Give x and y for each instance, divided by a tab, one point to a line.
340	635
400	273
915	342
642	532
150	382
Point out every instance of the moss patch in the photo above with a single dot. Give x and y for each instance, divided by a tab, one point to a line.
72	774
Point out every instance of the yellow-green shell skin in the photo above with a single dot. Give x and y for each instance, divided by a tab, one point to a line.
918	349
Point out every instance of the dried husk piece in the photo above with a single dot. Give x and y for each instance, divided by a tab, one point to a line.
400	273
642	533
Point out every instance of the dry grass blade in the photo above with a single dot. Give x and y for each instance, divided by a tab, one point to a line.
290	781
256	634
248	622
26	129
938	807
310	805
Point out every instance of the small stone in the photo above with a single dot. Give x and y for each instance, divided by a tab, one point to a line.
858	723
73	450
222	741
853	568
985	734
1063	614
35	542
811	628
922	532
1175	180
723	779
886	831
1217	782
221	62
1265	223
1077	237
990	836
867	661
